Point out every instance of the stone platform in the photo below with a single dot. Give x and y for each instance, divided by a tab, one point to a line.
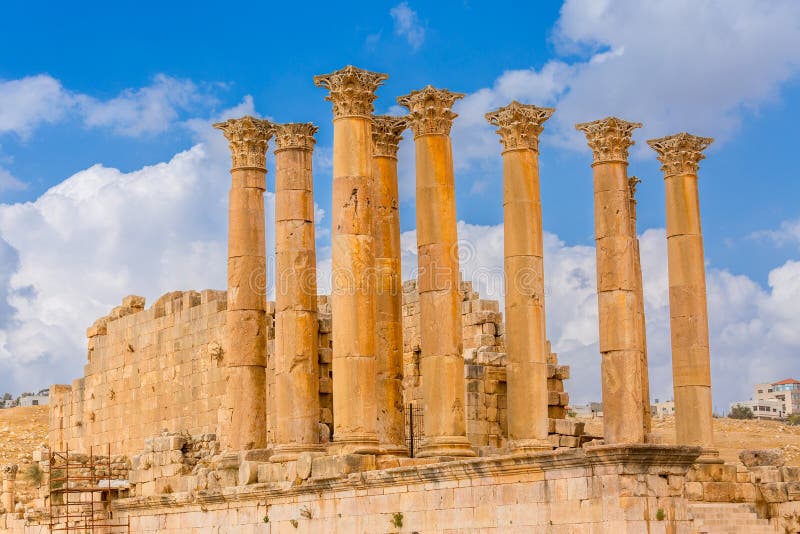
608	489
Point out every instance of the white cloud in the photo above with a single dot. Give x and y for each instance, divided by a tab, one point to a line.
407	24
675	66
29	102
148	110
9	182
102	234
787	234
753	330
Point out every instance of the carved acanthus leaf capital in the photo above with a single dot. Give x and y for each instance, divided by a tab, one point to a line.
352	90
297	135
10	471
248	138
609	138
430	110
519	125
387	131
680	153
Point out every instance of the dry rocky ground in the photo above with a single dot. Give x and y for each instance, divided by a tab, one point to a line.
21	431
732	436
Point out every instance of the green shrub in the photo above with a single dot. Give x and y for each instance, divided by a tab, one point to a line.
741	412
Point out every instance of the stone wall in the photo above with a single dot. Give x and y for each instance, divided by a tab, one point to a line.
148	370
484	368
161	369
600	489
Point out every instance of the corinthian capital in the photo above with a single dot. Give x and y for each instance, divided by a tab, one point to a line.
387	131
298	135
519	125
247	138
10	471
680	153
609	138
352	90
430	110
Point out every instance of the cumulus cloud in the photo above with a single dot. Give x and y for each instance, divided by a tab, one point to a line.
674	66
148	110
29	102
753	330
407	25
101	234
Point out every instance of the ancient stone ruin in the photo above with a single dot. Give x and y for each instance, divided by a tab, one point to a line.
391	406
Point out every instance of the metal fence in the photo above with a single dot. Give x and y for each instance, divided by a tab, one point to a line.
414	428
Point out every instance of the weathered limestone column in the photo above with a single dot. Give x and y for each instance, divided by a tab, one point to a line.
442	361
244	424
9	473
519	127
386	135
691	365
633	181
617	291
352	92
296	341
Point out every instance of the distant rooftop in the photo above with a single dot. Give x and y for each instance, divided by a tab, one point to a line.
786	381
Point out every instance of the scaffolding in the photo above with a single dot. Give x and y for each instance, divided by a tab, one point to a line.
81	494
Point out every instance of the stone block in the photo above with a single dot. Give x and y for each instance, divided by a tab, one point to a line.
568	441
745	492
774	492
324	467
762	457
568	427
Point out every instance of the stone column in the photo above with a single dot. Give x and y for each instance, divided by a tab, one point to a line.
296	340
691	366
352	92
442	361
642	324
519	127
244	421
9	473
386	135
617	292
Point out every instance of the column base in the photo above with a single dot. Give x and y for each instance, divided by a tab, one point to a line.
526	446
446	446
709	456
291	451
393	450
356	443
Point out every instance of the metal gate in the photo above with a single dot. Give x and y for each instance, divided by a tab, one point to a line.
414	428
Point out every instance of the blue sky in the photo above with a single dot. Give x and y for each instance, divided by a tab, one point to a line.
112	181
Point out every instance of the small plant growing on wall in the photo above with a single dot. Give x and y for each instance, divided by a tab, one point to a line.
294	522
397	519
660	515
305	512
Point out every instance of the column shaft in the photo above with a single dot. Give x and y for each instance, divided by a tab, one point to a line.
519	128
243	424
296	327
691	363
642	327
442	361
386	134
353	259
617	293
